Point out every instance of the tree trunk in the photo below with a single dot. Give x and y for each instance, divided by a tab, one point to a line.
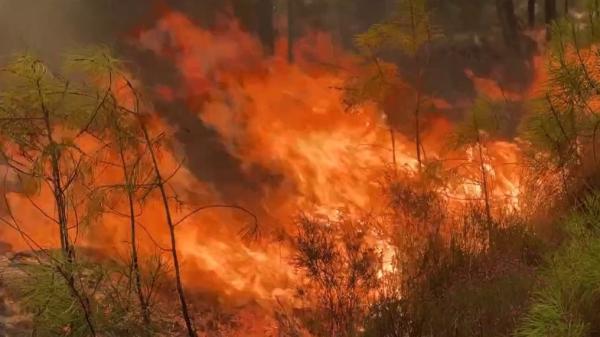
160	183
338	16
135	266
418	82
393	140
58	190
80	297
291	29
508	23
549	16
417	115
484	186
550	11
370	12
531	13
59	193
266	31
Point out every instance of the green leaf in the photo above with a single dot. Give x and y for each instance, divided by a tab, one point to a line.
481	121
407	30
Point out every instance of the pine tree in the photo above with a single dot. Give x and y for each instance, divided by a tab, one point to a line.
531	4
34	105
562	124
508	22
474	132
409	31
567	303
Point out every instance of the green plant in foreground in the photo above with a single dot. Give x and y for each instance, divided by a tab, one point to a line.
45	294
568	303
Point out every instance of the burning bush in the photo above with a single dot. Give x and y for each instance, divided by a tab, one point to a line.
341	274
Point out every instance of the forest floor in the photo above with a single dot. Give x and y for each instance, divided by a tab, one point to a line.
13	323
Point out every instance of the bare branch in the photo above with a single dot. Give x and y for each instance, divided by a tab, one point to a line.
253	229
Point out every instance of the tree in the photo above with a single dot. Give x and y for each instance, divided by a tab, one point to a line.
265	23
131	184
531	4
508	23
409	30
33	107
291	26
474	132
550	11
122	137
566	304
44	116
562	127
257	16
44	119
158	181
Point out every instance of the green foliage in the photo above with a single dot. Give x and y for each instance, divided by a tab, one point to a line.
41	114
45	292
482	119
47	295
55	132
407	30
45	115
80	99
376	82
568	303
95	206
562	125
30	84
551	131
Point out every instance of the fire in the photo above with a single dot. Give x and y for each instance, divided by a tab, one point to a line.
290	120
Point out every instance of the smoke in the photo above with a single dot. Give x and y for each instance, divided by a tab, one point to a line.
42	27
48	28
